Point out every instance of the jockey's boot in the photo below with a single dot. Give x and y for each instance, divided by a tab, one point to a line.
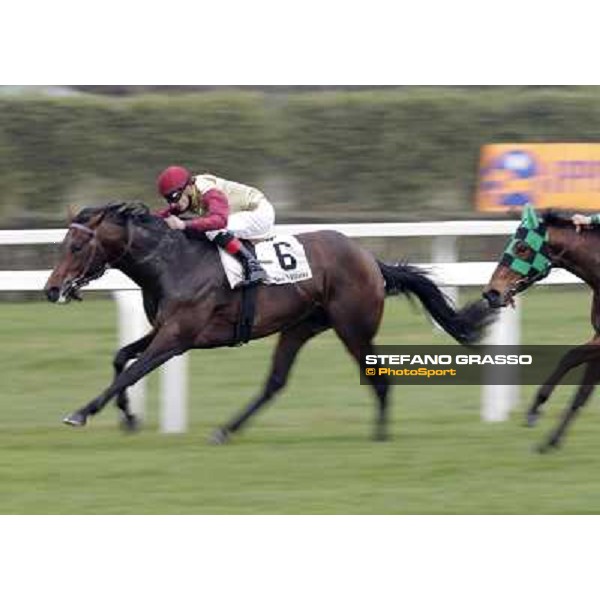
253	271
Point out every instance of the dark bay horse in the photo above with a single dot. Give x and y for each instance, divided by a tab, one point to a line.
541	243
190	305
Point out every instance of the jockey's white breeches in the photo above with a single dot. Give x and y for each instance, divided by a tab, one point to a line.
254	224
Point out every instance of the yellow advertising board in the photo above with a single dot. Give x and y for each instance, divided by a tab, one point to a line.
544	175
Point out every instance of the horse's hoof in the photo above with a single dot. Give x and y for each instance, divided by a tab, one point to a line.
547	447
130	424
76	419
532	419
219	437
542	448
381	437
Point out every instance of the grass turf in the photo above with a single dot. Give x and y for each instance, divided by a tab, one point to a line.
309	453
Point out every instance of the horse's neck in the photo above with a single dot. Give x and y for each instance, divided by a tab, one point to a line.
169	264
577	253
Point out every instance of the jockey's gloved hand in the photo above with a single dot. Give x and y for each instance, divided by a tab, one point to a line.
581	221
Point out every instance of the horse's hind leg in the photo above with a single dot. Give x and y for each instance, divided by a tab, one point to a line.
356	332
583	394
123	356
380	383
570	360
289	344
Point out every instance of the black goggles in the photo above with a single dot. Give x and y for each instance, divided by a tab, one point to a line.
173	197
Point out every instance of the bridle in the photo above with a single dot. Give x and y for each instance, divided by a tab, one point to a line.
525	283
87	275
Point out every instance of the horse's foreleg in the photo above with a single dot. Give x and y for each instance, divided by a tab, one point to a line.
162	348
289	344
573	358
123	356
583	394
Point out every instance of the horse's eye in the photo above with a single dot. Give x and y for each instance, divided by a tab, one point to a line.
521	248
75	248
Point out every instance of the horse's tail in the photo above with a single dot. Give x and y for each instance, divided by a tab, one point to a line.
466	326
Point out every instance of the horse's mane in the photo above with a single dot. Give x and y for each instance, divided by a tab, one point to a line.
558	218
138	214
123	212
564	220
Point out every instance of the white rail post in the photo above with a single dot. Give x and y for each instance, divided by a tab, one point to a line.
444	250
173	379
497	401
132	326
173	395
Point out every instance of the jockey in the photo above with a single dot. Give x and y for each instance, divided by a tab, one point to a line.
226	212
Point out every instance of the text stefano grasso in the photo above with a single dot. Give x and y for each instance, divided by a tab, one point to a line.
447	359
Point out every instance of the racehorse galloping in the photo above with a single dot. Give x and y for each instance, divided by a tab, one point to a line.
190	305
539	245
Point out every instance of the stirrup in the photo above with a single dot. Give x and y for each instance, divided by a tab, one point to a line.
253	277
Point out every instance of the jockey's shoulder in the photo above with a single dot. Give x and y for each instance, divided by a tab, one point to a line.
206	182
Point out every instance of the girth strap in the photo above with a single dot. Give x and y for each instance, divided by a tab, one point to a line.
243	327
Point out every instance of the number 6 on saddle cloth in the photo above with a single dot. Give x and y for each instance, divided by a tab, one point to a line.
283	258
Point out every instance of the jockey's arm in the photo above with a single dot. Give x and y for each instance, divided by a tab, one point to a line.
164	213
217	212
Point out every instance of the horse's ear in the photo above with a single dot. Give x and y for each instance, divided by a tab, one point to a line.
97	219
530	218
72	212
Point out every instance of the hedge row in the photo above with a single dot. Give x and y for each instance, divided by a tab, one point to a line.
89	150
407	152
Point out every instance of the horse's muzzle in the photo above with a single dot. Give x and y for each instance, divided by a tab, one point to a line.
53	294
493	298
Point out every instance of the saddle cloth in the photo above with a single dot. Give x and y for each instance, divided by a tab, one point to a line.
282	257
